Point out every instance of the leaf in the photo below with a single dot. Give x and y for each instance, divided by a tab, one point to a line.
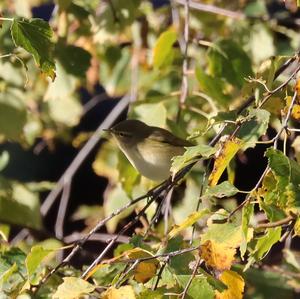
75	60
128	175
4	159
12	114
12	270
115	198
72	288
199	287
229	62
106	161
287	176
125	292
33	261
163	47
264	245
34	36
212	87
192	153
189	221
224	189
14	212
217	255
224	156
235	284
247	213
254	128
151	114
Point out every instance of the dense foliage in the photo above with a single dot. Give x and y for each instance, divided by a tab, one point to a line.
222	74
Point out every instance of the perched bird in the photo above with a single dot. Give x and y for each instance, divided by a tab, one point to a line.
149	149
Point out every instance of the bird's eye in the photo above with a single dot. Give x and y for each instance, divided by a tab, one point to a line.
121	134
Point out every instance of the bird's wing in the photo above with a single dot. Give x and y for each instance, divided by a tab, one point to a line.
168	138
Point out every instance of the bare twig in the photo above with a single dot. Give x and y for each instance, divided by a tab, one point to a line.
184	83
100	237
281	222
198	262
59	225
213	9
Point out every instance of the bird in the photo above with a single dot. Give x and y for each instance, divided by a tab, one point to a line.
149	149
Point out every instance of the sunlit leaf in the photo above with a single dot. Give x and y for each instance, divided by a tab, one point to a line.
217	255
73	287
4	159
247	213
228	150
189	221
163	47
34	36
125	292
192	153
224	189
235	284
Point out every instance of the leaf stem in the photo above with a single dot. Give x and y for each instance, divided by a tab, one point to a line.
6	19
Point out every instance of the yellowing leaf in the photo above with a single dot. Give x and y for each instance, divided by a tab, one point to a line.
296	108
145	271
163	47
190	220
224	156
216	255
125	292
235	284
72	288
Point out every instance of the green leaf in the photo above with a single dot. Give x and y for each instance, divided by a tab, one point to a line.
192	153
215	283
33	261
265	243
256	9
75	60
254	127
151	114
14	212
73	287
199	288
12	114
34	36
224	189
128	175
287	176
12	271
247	213
115	199
212	87
163	48
231	64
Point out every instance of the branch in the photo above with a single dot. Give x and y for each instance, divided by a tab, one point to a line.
281	222
184	83
213	9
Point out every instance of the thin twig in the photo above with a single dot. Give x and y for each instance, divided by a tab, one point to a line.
59	224
184	83
281	222
213	9
198	262
100	237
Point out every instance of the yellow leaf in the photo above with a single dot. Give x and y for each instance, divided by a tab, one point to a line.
190	220
125	292
296	108
224	156
235	284
216	255
145	271
72	288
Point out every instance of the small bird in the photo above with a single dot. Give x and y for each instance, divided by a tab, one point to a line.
149	149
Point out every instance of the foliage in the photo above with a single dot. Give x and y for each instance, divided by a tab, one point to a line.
230	89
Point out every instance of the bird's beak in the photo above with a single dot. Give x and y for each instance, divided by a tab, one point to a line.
107	130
